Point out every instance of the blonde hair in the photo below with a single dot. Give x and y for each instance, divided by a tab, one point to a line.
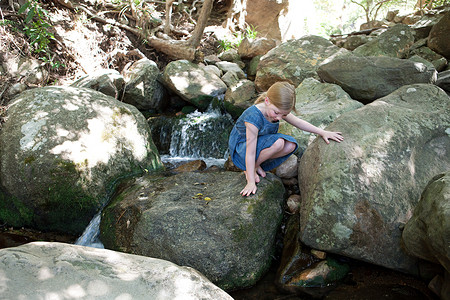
281	94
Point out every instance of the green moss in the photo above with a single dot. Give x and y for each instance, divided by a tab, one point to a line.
13	212
67	208
64	204
28	160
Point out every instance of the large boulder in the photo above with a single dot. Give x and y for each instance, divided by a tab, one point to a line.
358	194
294	61
192	83
369	78
319	104
438	38
142	88
199	220
63	271
427	233
394	42
62	150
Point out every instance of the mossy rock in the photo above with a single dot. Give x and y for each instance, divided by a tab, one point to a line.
63	150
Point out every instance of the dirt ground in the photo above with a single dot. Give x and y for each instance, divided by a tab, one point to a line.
83	45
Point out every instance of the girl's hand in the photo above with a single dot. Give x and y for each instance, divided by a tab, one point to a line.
330	135
249	189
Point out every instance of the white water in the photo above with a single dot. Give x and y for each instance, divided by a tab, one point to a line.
90	236
201	136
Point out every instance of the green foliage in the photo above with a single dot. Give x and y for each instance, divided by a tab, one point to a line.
250	33
37	30
435	3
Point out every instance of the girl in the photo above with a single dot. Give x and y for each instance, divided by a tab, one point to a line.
255	144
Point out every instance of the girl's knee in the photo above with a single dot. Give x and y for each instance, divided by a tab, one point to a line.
279	145
289	147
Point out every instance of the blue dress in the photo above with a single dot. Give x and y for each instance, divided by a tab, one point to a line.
267	135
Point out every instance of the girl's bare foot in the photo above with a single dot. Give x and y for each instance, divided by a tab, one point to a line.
260	171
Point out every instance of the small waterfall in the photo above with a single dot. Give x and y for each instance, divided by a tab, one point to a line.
200	136
90	236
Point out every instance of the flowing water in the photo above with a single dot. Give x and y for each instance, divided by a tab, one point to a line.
91	235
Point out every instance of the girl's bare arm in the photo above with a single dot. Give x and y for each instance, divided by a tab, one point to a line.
306	126
250	159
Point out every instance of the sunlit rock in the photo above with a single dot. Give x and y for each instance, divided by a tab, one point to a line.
63	271
239	96
62	151
368	78
294	61
199	220
192	83
109	82
358	194
394	42
142	88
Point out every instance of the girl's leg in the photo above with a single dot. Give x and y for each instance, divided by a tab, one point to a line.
280	148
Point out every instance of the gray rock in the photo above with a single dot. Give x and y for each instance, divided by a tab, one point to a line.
251	48
226	66
427	233
142	88
192	83
199	220
438	37
440	64
240	92
213	69
443	80
358	194
294	61
230	55
63	271
319	104
230	78
63	148
426	53
289	168
31	71
395	42
108	82
354	41
419	59
369	78
253	66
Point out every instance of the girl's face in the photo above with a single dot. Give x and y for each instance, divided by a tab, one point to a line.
274	114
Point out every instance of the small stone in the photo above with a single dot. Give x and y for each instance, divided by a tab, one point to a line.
195	165
293	203
319	254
